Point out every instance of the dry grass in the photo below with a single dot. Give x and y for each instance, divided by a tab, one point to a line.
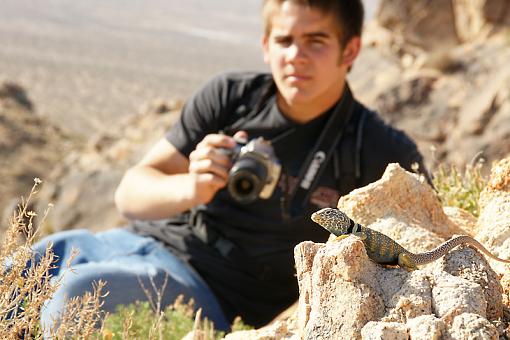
25	285
461	189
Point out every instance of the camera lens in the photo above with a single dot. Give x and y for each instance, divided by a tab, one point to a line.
246	179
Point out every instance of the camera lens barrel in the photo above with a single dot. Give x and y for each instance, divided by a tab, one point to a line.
246	179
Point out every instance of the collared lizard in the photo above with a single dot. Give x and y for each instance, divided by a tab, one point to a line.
382	249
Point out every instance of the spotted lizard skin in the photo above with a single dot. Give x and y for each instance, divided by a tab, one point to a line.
382	249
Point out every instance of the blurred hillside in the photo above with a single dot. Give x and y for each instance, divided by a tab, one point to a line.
91	63
87	64
439	72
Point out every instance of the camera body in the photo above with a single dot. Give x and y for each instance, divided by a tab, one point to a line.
255	172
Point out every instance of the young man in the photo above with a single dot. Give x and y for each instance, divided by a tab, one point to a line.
236	258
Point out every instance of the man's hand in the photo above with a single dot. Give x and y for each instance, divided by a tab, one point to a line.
210	166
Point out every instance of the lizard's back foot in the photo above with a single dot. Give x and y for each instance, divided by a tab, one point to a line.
406	262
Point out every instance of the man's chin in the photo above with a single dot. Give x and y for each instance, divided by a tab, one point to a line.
296	97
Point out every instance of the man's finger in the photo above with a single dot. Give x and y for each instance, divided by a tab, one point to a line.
208	166
212	180
241	136
217	141
214	154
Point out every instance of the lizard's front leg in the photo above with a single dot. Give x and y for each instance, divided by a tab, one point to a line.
361	235
340	238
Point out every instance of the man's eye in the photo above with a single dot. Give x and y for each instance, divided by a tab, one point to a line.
316	43
283	41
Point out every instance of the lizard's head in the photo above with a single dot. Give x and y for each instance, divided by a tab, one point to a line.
333	220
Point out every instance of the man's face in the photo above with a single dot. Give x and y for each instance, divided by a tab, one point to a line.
304	53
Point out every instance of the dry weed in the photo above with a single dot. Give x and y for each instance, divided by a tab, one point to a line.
82	316
25	283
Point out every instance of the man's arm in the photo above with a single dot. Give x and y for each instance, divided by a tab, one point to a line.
165	182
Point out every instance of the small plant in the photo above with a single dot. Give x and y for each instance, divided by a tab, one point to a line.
459	189
239	325
139	321
147	320
25	285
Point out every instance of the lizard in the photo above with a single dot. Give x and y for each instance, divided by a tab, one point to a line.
384	250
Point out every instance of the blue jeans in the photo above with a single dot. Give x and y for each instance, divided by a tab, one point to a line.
123	259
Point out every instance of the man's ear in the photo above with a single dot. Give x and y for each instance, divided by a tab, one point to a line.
351	51
265	48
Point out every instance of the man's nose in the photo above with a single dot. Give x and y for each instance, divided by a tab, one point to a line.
295	53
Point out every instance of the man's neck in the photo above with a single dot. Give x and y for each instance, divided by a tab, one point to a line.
303	113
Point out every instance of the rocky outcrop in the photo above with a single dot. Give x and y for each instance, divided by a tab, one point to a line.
440	24
463	295
349	296
494	221
478	18
30	146
412	22
81	186
454	103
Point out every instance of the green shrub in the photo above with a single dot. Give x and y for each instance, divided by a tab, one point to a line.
140	321
460	189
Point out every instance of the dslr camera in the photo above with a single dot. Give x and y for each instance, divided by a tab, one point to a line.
255	172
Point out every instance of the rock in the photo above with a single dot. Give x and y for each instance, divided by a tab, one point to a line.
480	109
472	326
452	296
462	218
439	24
30	146
493	222
472	266
407	299
426	327
13	92
411	92
373	301
412	202
414	21
446	61
499	180
304	257
160	106
384	330
476	18
351	297
469	264
454	101
380	57
341	294
278	330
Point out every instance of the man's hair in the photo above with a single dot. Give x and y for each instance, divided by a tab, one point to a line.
348	14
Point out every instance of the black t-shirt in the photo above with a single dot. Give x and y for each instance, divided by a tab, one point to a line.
257	279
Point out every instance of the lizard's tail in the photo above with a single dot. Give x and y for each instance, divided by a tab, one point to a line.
443	249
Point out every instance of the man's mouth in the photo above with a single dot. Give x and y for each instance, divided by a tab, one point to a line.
293	78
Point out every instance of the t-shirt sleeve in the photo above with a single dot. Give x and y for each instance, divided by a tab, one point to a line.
200	115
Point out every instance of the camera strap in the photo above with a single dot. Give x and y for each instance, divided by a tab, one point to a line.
318	158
